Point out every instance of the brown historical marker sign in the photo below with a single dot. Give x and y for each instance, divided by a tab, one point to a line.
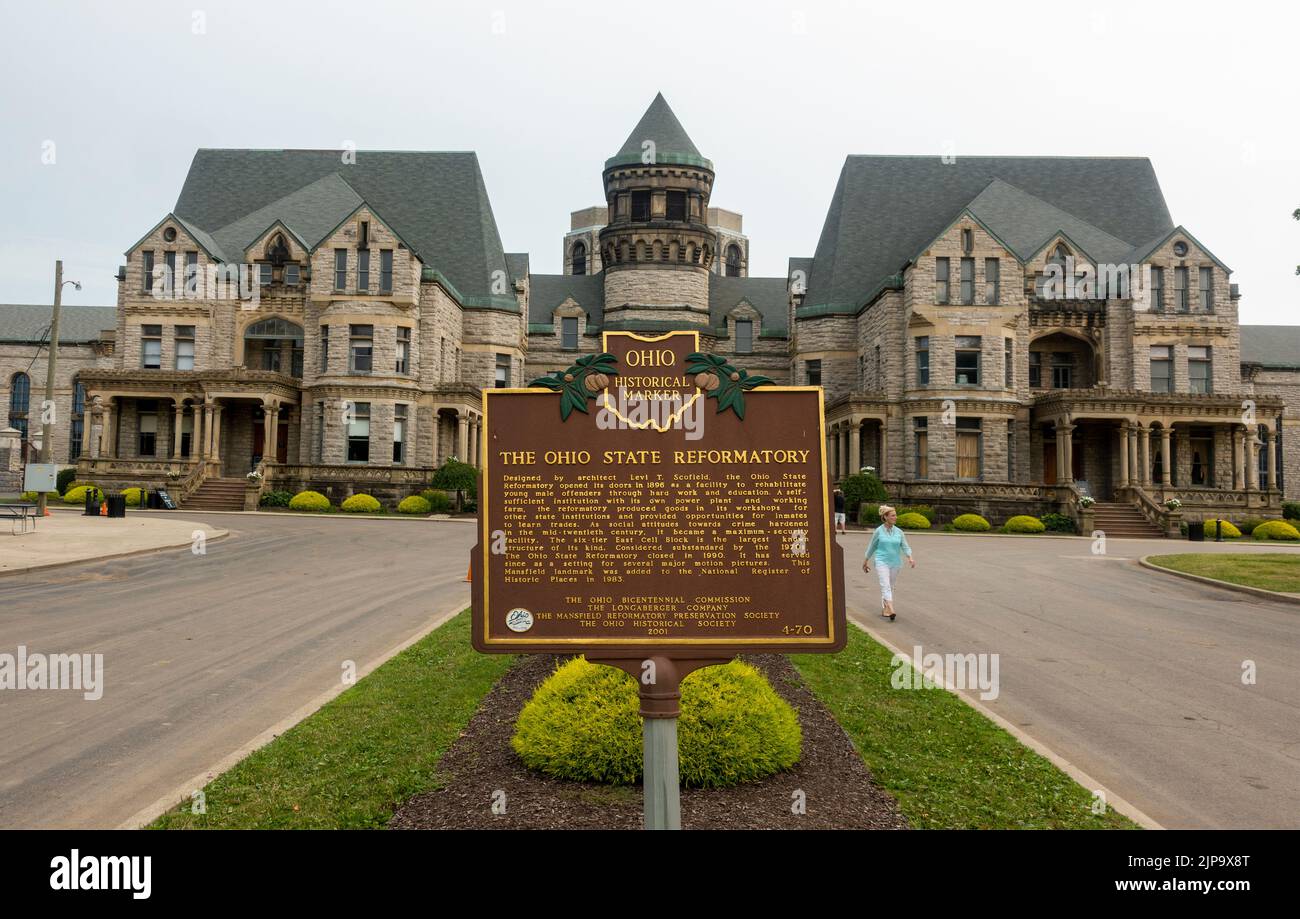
654	500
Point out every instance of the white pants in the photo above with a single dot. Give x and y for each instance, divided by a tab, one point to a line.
886	576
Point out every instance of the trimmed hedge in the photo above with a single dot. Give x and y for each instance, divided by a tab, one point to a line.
311	501
413	505
275	498
77	494
361	504
1277	529
1058	523
862	487
439	503
1291	510
65	479
1023	523
1229	531
134	496
971	523
913	521
582	724
1248	525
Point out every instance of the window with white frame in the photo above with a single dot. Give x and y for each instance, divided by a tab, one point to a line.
184	347
940	280
359	433
1199	372
1162	368
151	347
361	348
399	433
403	349
968	360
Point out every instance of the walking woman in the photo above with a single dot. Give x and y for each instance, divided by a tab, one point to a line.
887	548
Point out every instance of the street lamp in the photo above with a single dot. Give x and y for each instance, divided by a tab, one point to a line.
47	408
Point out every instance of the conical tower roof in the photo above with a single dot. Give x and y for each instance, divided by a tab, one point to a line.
671	142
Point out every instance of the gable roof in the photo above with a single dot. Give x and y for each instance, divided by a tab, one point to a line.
885	210
435	201
672	144
29	323
1027	223
1275	346
767	295
547	291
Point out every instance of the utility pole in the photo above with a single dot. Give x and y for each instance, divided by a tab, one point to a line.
47	414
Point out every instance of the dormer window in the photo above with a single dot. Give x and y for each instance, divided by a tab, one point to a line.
278	252
292	274
264	273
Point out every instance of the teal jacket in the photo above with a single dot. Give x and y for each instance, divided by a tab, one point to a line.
885	546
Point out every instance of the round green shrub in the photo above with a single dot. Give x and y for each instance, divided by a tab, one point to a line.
30	497
1277	529
361	504
1248	525
1291	510
312	501
134	496
76	494
65	479
971	523
439	503
913	521
924	510
413	505
1058	523
582	724
869	515
1023	523
275	499
1229	531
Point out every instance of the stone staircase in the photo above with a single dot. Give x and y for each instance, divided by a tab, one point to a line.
1123	521
217	495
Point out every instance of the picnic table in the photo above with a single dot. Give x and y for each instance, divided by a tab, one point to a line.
18	515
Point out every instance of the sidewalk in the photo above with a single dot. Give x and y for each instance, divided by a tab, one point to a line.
64	538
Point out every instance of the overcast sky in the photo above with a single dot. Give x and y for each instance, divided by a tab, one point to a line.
121	94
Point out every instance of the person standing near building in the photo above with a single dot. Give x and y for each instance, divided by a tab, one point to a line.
887	548
839	512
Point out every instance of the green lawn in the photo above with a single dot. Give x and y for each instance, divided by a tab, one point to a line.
1269	570
363	753
946	764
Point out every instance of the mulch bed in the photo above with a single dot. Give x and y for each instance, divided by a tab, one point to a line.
839	790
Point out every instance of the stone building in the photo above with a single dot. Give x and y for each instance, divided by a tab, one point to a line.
1001	334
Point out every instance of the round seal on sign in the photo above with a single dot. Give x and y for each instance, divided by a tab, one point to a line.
519	620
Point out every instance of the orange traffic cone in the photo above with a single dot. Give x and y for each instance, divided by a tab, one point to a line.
103	509
47	510
468	572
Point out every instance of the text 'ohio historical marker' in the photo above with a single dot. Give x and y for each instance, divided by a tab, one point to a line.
655	501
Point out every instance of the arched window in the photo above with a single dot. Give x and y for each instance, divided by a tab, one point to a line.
20	395
274	344
579	258
733	261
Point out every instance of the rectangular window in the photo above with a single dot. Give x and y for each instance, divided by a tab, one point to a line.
992	281
148	431
169	259
503	371
361	349
264	271
814	371
968	281
923	360
1007	346
1180	290
324	349
970	448
151	347
569	332
192	273
340	269
363	237
403	349
271	356
641	205
1062	369
1035	370
921	451
184	347
967	240
940	280
1207	290
1162	375
74	445
1198	368
386	271
744	336
676	205
968	360
399	433
359	433
363	270
292	275
1157	289
146	271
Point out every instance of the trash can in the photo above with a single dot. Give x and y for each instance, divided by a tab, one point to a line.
117	505
155	500
92	502
1196	530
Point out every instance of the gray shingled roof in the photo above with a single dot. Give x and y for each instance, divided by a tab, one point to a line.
1271	345
672	144
887	208
547	291
29	323
1026	224
517	262
767	295
436	201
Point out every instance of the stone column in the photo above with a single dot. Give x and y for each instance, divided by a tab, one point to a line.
855	446
1068	439
1123	454
462	435
217	411
1165	478
830	453
1131	448
203	426
1270	445
1238	481
178	417
475	440
883	471
1252	460
1144	454
109	448
86	419
270	421
1059	430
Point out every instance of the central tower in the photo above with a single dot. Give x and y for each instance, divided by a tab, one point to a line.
657	247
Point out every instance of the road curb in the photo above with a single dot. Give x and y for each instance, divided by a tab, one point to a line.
37	569
1113	801
1215	582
